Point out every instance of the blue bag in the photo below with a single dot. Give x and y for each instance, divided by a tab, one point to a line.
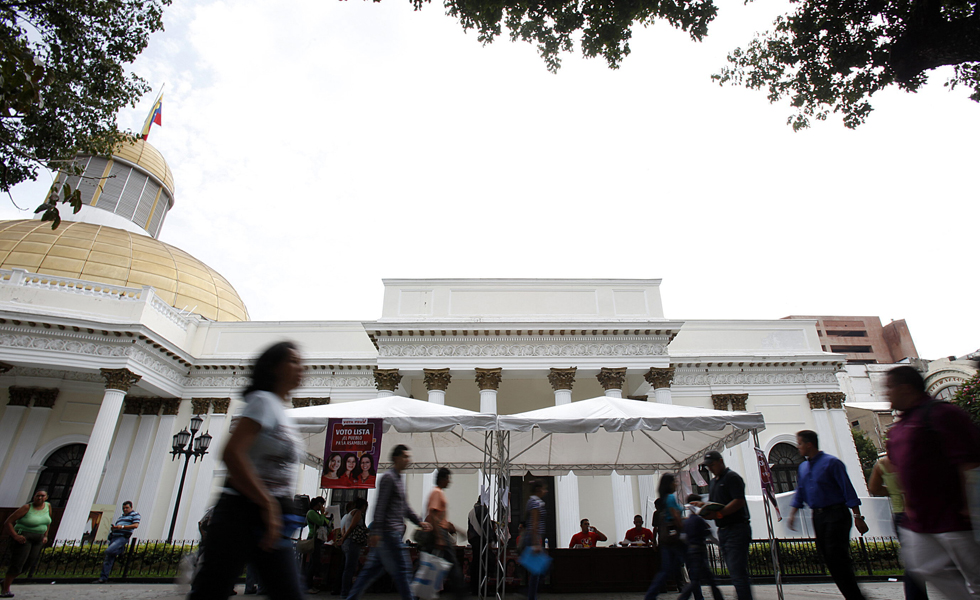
536	563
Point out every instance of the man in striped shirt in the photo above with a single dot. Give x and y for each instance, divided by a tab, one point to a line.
388	530
119	535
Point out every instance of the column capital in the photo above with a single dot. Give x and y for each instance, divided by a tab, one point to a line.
301	402
721	401
738	402
436	379
170	406
19	396
659	378
132	406
199	406
220	405
562	379
387	379
489	379
826	399
612	378
319	401
119	379
151	406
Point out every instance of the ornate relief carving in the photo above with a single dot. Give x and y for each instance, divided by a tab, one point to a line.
543	349
719	401
20	396
56	374
220	405
562	379
319	401
158	365
349	381
826	399
738	402
437	379
119	379
151	406
170	406
311	381
659	378
301	402
132	406
612	378
754	378
488	379
199	406
219	381
387	379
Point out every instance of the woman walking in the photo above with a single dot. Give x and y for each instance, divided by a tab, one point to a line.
535	530
671	548
28	528
261	456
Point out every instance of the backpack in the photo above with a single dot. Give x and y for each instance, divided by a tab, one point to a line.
668	534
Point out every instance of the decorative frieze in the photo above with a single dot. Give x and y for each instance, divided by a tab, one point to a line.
119	379
612	378
319	401
757	378
522	350
387	379
488	379
132	406
170	406
220	405
151	406
301	402
437	379
659	378
562	379
826	399
199	406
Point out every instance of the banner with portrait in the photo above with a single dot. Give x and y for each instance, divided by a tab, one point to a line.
351	453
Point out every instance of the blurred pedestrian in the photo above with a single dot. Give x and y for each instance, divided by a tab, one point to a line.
734	529
884	482
437	514
388	529
261	457
697	531
823	485
535	517
28	528
668	537
353	538
932	447
121	531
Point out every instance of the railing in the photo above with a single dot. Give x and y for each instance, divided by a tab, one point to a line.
68	284
143	559
798	558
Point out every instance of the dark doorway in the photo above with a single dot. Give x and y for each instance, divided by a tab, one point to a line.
59	472
520	491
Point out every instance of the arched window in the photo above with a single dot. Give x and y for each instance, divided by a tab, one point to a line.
784	460
946	394
58	475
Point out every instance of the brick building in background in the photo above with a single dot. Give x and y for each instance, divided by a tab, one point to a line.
864	340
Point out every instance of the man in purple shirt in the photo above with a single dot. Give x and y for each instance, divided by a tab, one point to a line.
932	447
388	529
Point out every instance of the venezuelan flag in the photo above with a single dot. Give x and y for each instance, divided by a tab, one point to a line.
153	117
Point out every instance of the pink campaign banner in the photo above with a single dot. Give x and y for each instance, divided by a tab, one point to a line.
351	453
765	473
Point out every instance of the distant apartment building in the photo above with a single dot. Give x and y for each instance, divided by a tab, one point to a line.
863	339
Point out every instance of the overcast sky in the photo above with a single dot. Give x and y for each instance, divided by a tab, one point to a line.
319	146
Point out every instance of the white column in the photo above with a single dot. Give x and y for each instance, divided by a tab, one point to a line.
194	510
13	480
567	507
87	481
614	393
825	432
662	395
848	451
137	459
117	459
162	441
9	424
563	397
385	393
623	509
488	401
437	396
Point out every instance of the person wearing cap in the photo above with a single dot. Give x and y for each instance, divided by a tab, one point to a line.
823	485
734	531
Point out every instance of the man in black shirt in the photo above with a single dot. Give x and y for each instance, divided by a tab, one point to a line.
734	531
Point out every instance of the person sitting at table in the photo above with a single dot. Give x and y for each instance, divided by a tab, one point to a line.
589	537
639	533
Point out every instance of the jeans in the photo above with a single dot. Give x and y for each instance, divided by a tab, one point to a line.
117	545
315	564
914	589
700	572
234	534
671	561
389	555
734	541
832	528
352	556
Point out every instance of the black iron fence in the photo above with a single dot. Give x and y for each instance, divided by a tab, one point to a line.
143	559
798	558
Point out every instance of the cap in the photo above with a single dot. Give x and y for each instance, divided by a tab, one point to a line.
710	457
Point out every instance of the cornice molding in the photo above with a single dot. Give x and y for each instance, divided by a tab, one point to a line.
505	349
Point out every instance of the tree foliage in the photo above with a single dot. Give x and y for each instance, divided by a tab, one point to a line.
968	397
867	452
825	56
63	81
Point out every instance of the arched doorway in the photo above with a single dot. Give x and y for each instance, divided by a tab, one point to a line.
59	472
783	460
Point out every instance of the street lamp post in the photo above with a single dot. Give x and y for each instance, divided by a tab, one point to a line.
185	445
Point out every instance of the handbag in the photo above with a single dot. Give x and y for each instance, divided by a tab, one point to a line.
536	563
305	546
359	535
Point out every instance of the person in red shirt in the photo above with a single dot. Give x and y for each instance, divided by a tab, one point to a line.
639	533
588	537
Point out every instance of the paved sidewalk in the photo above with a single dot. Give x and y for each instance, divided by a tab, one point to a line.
159	591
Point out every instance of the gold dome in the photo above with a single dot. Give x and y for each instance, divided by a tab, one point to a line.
118	257
148	158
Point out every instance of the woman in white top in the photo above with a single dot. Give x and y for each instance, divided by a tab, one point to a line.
261	455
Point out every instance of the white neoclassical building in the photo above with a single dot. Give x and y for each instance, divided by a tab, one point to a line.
111	340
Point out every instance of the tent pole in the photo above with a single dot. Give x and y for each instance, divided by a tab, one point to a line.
483	552
777	571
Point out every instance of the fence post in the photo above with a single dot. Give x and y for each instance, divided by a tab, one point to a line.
867	558
132	549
